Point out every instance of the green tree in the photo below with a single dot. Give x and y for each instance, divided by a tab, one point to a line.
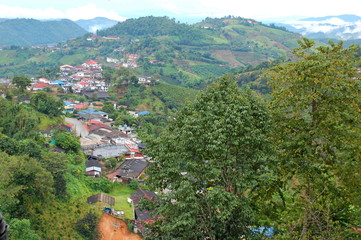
210	158
134	184
47	104
316	106
21	230
21	82
24	187
87	226
67	141
56	164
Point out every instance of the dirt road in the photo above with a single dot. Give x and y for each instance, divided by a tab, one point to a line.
112	228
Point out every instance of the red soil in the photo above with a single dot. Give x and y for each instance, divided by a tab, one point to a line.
112	228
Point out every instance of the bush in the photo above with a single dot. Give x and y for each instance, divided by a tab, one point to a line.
87	226
134	184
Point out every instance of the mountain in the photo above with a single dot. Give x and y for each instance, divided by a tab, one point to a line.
181	54
31	32
233	41
95	24
342	27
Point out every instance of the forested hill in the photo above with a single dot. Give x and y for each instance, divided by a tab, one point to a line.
232	40
31	32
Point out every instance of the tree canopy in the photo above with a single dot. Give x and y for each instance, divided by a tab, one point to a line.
209	159
316	107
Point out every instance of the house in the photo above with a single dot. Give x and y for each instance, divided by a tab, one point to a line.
93	168
91	63
43	80
98	95
101	197
131	169
93	111
66	68
112	60
142	216
39	86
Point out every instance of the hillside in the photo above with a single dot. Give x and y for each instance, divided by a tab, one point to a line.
204	50
95	24
31	32
180	54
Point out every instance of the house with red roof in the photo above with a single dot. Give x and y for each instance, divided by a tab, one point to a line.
90	64
39	86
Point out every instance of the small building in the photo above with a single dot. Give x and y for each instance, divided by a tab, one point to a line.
101	197
40	86
142	216
131	169
93	168
93	111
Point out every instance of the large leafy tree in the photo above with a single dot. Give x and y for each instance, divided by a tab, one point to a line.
316	105
48	104
21	82
210	158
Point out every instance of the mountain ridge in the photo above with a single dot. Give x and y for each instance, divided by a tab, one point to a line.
32	32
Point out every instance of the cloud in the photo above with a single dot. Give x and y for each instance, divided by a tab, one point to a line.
84	12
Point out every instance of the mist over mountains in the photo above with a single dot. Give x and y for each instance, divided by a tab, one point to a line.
342	27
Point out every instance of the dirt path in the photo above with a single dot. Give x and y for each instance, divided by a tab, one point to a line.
112	228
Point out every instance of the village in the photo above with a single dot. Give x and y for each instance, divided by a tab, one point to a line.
100	139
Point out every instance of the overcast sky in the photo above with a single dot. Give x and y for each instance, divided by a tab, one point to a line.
122	9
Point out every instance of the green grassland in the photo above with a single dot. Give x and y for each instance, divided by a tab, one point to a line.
121	193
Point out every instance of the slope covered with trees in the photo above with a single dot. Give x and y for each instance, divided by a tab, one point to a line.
227	166
31	32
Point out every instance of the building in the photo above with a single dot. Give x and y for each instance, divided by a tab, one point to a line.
101	197
142	216
93	168
131	169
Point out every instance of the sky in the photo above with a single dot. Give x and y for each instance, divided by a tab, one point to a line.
179	9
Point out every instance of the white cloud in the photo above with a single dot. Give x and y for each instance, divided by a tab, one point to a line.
84	12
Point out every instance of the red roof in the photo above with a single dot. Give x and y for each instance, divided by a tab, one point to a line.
91	62
98	126
41	85
95	122
83	83
81	105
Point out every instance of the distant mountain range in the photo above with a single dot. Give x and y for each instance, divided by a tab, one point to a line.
95	24
342	27
31	32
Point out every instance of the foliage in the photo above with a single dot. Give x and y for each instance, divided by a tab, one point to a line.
48	104
23	183
18	120
134	184
210	157
67	141
23	147
87	226
21	82
31	32
316	103
21	230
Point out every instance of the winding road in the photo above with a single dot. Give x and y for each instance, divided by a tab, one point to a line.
78	126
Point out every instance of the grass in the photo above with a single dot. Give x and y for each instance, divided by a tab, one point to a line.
46	122
121	193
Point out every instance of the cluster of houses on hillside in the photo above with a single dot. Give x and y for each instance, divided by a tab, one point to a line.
86	78
101	141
